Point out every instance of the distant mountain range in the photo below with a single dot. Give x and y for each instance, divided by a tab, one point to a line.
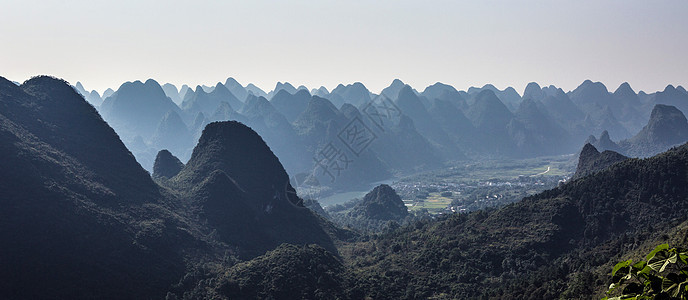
82	219
559	244
421	130
667	127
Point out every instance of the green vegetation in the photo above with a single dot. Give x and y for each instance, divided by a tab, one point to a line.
229	224
380	209
662	275
435	202
547	246
287	272
558	244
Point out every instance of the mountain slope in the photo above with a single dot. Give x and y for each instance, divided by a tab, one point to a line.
667	127
535	133
172	134
604	143
80	218
291	105
446	93
278	133
356	94
380	204
453	121
545	246
240	187
590	160
410	104
136	108
490	117
166	165
207	103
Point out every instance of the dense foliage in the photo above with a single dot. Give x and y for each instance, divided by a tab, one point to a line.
288	272
546	246
81	219
662	275
380	209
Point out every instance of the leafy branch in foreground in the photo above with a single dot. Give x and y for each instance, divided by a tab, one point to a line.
662	275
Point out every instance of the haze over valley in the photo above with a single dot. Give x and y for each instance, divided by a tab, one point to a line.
344	150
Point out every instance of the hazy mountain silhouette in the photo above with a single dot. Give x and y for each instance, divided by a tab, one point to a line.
320	92
604	143
453	121
92	97
236	88
602	118
446	93
107	93
200	101
392	91
626	104
590	94
320	121
224	112
282	86
256	91
172	134
136	108
172	92
356	94
560	107
533	91
183	91
535	133
80	88
319	126
400	147
291	105
676	97
490	117
278	133
200	120
508	96
667	127
410	104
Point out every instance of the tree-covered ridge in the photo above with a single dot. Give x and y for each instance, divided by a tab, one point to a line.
288	272
379	209
543	247
590	160
82	219
557	244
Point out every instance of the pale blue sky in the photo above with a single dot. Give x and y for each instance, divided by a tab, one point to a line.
321	42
